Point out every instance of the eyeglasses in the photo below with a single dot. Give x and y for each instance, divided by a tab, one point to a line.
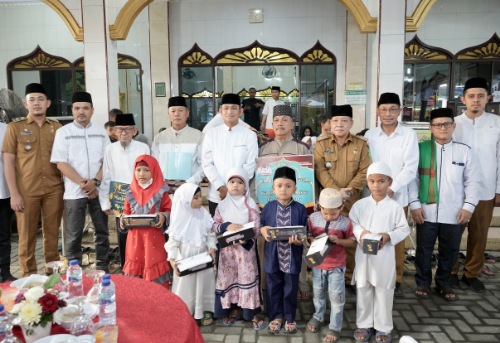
446	125
390	110
124	129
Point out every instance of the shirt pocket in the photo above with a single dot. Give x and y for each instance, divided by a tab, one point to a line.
239	154
331	161
489	137
27	144
455	172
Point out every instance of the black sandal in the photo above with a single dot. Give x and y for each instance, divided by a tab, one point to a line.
447	294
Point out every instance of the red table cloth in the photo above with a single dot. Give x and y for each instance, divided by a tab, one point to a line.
146	312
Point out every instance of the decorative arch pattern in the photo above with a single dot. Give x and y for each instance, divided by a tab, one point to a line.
256	53
195	56
123	22
416	50
74	28
488	50
318	54
38	59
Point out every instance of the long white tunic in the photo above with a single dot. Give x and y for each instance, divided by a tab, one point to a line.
400	152
218	120
377	217
197	290
118	165
188	141
483	135
225	148
83	149
457	180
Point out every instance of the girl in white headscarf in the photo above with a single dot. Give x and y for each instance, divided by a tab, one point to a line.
190	233
238	282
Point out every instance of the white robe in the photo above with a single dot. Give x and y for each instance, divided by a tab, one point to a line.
118	165
385	216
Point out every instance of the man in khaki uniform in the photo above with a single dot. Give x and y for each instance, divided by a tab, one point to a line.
35	184
340	162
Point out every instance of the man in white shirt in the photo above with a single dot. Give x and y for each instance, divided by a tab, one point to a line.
5	218
481	131
78	152
178	148
397	146
118	171
267	112
227	146
442	199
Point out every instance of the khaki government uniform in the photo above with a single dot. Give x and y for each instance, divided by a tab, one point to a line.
40	185
343	166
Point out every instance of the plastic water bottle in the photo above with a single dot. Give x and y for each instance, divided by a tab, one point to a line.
74	275
107	303
3	318
111	283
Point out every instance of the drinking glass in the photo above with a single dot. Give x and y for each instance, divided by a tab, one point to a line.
9	321
60	286
96	274
83	325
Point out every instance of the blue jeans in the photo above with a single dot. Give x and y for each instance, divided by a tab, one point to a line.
333	282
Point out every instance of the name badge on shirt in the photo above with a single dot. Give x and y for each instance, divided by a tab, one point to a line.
461	164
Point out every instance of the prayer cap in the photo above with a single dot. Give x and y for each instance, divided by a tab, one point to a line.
282	110
275	88
125	119
230	98
285	173
379	168
81	97
476	82
442	113
330	198
35	88
342	110
177	101
389	98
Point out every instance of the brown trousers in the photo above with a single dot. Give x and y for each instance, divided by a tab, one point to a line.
399	253
477	237
51	206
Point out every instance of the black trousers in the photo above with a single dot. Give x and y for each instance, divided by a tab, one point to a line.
449	245
5	246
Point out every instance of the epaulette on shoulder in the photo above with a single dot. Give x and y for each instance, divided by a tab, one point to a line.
15	120
301	143
323	138
361	138
54	120
461	144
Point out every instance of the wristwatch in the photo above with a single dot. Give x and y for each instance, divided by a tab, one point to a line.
97	182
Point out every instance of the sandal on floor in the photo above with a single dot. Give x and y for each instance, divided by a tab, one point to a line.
447	294
487	271
290	328
207	319
488	258
422	292
229	321
256	320
379	337
314	323
274	327
367	334
85	260
332	333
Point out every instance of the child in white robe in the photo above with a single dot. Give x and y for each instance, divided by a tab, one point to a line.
190	233
375	275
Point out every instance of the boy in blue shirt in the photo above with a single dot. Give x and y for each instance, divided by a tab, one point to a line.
282	259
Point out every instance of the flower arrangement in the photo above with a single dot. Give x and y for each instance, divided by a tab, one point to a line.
36	307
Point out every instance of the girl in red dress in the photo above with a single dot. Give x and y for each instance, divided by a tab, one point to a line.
145	256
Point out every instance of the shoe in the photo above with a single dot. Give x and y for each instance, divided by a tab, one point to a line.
453	281
474	283
398	291
104	267
8	277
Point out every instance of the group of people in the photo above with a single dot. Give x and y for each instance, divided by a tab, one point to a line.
449	182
